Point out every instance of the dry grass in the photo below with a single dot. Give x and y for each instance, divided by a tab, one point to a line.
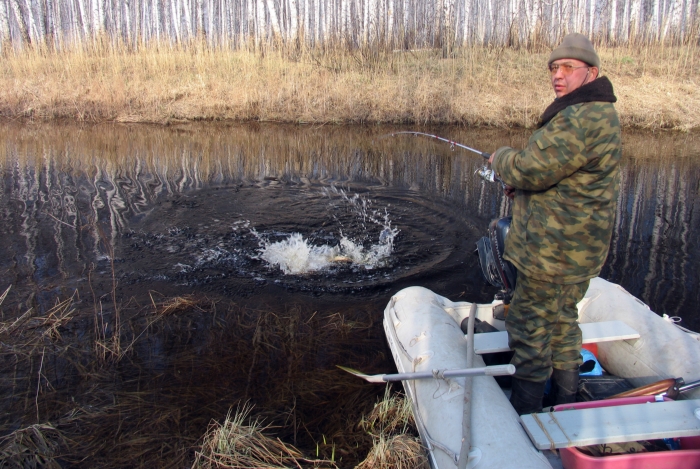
187	362
395	444
396	452
175	304
656	86
391	415
241	442
29	329
35	446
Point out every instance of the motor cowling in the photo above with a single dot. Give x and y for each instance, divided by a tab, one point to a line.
497	271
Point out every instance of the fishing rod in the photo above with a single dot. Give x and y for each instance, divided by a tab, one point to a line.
446	140
485	173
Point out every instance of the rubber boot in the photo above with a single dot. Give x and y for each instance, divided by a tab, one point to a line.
565	383
526	396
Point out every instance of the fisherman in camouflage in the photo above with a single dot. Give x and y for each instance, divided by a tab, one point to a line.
564	187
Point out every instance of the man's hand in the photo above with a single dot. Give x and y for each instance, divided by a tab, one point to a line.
509	192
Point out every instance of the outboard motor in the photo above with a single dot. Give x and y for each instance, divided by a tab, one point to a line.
497	271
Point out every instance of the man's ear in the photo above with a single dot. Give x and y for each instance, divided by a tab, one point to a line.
594	72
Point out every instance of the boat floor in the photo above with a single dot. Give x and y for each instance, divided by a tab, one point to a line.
553	459
552	456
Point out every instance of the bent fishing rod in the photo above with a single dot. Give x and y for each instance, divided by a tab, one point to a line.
486	173
446	140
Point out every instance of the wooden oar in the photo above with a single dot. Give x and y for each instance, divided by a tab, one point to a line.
495	370
658	387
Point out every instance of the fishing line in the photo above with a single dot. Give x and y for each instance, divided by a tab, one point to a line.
486	172
446	140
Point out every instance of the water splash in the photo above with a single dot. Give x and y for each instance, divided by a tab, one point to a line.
297	255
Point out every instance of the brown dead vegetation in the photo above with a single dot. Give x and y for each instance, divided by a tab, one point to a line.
395	444
185	361
657	86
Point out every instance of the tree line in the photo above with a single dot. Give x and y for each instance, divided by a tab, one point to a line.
396	24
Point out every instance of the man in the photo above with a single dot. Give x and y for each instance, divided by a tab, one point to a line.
564	186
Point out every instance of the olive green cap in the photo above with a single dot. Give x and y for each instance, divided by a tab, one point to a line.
576	46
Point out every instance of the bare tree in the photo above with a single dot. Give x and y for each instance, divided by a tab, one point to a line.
412	23
5	34
21	22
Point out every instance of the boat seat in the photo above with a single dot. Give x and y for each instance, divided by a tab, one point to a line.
619	424
593	332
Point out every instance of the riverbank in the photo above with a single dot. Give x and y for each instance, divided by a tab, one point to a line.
656	86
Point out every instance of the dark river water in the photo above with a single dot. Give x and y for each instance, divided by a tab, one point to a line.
163	275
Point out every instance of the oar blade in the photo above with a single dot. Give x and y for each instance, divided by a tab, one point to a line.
366	377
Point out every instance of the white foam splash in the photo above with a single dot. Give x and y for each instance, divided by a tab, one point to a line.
296	255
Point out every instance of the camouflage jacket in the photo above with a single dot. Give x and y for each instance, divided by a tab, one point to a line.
566	182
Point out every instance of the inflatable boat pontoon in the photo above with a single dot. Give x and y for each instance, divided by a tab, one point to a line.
424	334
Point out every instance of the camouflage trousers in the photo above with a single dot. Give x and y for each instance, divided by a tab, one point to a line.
542	327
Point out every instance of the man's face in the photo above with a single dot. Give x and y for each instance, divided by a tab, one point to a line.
570	74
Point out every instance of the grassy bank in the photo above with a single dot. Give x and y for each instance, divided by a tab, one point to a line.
657	87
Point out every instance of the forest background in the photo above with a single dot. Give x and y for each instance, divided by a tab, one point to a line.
467	62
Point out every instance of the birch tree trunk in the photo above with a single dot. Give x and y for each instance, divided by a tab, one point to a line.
84	20
688	19
317	23
634	20
259	22
654	22
625	29
209	31
21	22
31	23
127	21
671	17
96	23
306	21
294	20
274	18
175	21
49	23
408	23
5	38
200	18
469	21
612	23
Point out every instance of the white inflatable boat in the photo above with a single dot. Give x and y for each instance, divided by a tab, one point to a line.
423	331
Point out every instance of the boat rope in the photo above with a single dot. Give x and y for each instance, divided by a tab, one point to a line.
553	417
676	320
423	431
552	446
396	338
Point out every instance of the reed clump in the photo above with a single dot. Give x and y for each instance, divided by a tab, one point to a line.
32	447
184	361
395	444
242	442
656	85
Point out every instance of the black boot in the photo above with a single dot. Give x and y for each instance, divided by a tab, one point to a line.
565	386
526	397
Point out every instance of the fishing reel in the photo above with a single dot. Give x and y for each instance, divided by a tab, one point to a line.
487	174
